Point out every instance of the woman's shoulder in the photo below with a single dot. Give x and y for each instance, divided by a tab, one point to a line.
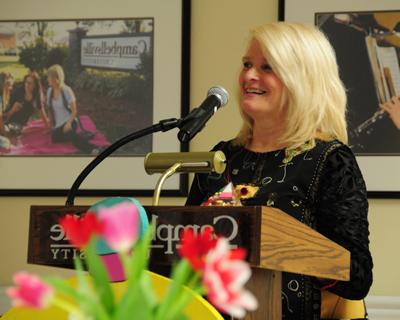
334	155
18	90
327	149
336	171
68	92
334	148
328	144
17	94
66	88
339	159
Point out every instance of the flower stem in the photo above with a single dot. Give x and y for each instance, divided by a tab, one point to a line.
126	262
193	287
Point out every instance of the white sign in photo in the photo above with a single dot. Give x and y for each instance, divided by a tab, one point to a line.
114	52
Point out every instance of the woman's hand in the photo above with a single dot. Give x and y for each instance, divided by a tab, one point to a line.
392	107
67	127
47	123
17	106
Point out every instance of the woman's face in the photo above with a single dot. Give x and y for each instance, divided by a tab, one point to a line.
29	84
8	85
52	81
260	89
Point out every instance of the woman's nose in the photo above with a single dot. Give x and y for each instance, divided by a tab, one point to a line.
251	74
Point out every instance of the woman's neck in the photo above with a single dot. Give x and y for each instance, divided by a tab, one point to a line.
28	95
56	91
266	137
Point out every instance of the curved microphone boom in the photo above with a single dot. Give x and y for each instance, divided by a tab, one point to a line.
196	120
190	126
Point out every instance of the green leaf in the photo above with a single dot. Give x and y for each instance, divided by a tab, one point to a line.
139	294
181	317
83	284
86	289
193	286
140	257
147	288
66	289
178	306
86	302
136	304
181	273
100	277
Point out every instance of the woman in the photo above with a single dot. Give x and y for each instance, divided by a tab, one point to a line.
6	85
291	153
62	104
24	101
392	107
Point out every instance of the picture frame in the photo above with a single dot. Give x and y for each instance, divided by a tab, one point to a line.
379	161
120	174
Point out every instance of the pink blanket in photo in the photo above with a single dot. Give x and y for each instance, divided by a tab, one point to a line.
36	140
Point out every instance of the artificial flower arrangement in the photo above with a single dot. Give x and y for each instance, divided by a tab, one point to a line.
208	267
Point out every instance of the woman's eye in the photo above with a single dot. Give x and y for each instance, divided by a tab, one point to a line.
246	65
266	68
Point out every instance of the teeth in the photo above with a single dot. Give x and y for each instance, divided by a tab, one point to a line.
257	91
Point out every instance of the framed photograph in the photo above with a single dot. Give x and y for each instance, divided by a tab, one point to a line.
74	82
366	40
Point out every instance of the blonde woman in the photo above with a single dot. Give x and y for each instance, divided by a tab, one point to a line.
6	85
63	109
292	150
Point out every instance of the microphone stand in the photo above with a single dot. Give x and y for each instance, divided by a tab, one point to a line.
163	125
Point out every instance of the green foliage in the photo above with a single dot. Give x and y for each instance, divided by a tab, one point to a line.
100	277
115	84
57	55
93	295
103	83
34	56
38	56
145	67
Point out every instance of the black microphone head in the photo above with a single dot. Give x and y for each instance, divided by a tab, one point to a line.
197	118
220	93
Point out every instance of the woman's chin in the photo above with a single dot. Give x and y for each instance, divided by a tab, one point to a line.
254	111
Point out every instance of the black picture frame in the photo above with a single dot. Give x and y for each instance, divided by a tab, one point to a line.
17	184
380	170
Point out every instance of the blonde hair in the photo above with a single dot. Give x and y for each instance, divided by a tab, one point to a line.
314	96
57	72
5	78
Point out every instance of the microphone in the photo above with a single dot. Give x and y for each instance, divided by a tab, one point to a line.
196	120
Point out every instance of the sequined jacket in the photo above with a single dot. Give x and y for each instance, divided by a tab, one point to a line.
321	186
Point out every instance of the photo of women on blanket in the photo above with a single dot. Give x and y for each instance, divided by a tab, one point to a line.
72	88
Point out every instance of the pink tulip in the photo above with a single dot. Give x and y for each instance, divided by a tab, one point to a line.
120	225
224	277
30	291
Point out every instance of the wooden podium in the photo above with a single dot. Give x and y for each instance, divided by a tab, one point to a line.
275	242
